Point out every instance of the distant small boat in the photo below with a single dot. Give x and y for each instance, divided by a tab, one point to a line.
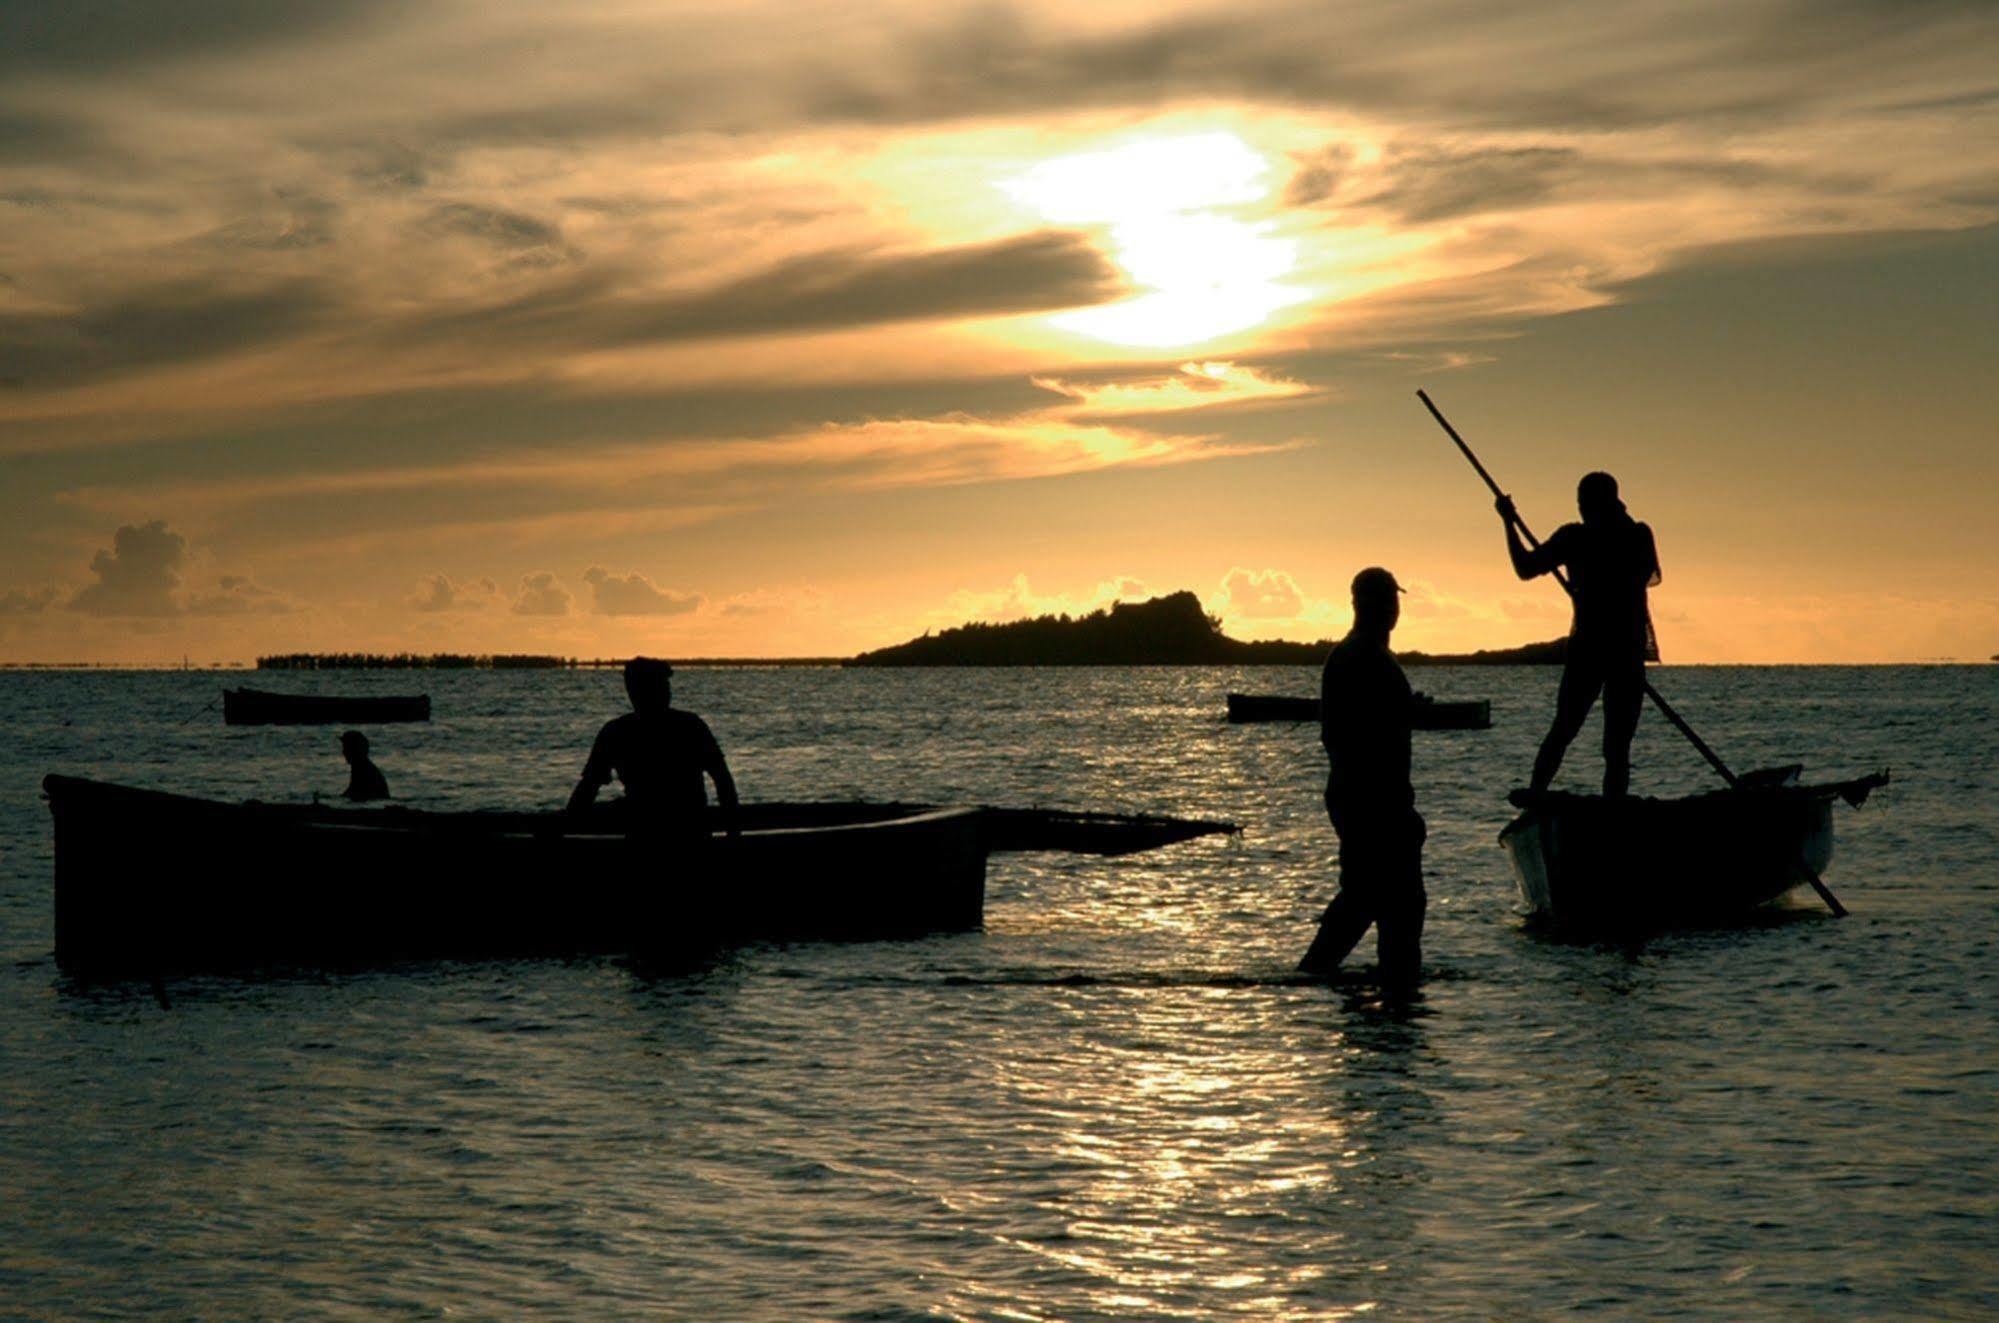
148	882
1429	713
260	707
1646	863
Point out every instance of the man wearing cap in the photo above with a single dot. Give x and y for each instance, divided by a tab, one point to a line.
660	753
1364	716
1611	560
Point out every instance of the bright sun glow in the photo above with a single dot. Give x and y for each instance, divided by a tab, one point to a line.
1169	209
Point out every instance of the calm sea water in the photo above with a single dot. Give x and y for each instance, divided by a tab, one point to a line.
1113	1103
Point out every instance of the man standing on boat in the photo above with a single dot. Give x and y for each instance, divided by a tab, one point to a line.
1611	560
660	753
1364	715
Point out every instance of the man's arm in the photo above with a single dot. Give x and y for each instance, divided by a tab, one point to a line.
717	767
596	775
725	795
1528	562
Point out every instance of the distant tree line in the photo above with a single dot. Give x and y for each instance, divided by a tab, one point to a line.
412	661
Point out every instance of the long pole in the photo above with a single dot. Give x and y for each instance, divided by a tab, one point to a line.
1658	700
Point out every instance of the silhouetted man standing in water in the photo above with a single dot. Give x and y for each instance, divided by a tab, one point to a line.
1611	559
660	753
1364	716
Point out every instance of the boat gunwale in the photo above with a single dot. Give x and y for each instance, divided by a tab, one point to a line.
1548	804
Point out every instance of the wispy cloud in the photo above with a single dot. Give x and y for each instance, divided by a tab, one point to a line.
1194	386
704	478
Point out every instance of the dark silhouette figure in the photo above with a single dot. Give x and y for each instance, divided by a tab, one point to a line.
1611	560
366	781
1364	716
660	753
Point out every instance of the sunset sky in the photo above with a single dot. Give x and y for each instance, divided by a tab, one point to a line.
770	329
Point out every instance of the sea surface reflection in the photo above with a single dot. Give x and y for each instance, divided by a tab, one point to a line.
1116	1102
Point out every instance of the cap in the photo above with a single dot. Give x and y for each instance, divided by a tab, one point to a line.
1374	582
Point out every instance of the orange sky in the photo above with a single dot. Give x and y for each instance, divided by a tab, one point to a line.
758	329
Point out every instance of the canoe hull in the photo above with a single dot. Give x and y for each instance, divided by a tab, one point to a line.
148	883
258	707
1586	861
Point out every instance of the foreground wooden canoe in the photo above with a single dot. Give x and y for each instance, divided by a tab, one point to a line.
260	707
1621	863
149	883
1428	713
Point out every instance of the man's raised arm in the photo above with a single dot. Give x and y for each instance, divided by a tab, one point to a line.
1528	562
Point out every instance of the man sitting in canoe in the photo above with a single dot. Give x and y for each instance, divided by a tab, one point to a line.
1611	559
660	753
365	781
1364	722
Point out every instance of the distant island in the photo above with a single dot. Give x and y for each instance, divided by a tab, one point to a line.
1174	630
1167	631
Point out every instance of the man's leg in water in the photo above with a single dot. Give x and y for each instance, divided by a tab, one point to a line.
1581	679
1346	920
1623	696
1398	928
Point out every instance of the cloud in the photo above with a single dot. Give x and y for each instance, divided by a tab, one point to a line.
436	593
151	327
1026	273
692	479
237	595
1017	600
1261	595
771	602
1193	386
839	289
368	198
138	576
1429	185
27	601
528	240
541	594
1425	601
101	36
634	595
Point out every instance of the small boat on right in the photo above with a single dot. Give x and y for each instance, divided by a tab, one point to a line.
1587	861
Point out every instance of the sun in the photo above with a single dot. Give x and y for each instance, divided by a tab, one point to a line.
1176	214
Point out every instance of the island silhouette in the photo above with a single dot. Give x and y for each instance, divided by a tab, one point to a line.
1174	630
